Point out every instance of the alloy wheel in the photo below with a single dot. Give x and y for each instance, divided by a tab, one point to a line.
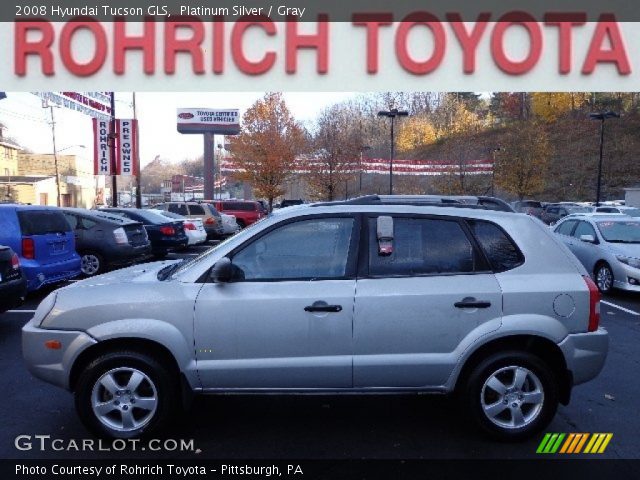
124	399
512	397
604	278
89	264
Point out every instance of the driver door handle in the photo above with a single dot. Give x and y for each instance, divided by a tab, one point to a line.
323	308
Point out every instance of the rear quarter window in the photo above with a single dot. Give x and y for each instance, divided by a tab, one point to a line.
42	222
501	251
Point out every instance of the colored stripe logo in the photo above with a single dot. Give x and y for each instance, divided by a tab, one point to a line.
574	443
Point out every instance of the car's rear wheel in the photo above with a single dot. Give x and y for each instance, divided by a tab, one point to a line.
604	277
91	263
125	395
512	395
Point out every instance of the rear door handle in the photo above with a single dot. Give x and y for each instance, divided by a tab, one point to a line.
323	308
472	303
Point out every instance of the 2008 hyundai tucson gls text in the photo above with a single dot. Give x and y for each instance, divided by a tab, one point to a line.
346	297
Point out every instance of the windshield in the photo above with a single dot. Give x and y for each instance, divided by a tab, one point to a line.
620	232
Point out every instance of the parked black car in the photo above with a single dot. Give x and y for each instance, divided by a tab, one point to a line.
105	240
555	211
13	283
164	234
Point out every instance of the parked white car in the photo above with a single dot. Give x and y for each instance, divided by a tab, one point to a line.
229	224
193	227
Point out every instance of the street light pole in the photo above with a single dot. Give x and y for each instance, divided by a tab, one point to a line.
602	116
392	114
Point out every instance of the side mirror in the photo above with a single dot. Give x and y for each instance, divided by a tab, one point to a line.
222	271
588	238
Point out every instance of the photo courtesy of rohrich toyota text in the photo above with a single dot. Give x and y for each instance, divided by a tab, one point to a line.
319	239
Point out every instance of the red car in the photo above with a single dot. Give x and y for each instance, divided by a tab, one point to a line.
245	211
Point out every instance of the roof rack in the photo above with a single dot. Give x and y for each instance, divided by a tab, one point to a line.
415	200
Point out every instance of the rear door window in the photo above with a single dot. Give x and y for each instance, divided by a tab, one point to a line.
179	208
42	222
422	246
566	228
196	210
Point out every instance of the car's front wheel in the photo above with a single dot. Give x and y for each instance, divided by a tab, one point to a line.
512	395
604	277
125	395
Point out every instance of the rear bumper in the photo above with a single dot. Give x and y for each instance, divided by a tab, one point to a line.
215	231
585	354
39	275
128	256
166	245
12	293
196	237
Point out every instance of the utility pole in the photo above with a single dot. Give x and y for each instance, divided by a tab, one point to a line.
55	155
112	147
137	159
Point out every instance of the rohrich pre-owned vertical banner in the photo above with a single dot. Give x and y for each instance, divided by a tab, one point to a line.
127	138
101	149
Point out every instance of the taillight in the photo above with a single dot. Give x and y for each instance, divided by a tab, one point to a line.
189	226
15	262
167	230
120	236
210	221
28	248
594	304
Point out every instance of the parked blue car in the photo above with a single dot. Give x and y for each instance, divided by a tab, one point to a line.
43	240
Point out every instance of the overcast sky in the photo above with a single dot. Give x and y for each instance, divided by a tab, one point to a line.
29	123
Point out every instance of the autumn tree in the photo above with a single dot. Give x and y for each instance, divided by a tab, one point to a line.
522	159
415	132
265	151
337	149
549	106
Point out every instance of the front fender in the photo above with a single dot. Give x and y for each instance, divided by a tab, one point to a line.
154	330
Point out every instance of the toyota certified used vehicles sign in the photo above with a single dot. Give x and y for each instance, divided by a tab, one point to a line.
204	120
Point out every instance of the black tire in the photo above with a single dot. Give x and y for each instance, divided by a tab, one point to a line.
535	416
119	365
92	263
241	223
601	273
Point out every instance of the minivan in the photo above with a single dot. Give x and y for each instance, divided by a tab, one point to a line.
43	240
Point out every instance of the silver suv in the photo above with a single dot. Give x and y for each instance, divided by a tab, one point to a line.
326	298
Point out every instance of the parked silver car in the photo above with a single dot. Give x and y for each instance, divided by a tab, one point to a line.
344	297
607	246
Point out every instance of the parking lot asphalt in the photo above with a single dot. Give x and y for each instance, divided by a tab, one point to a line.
338	427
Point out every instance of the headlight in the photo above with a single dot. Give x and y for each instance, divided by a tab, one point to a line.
44	308
632	262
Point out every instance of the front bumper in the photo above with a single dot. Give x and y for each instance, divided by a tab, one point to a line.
621	275
52	366
585	354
